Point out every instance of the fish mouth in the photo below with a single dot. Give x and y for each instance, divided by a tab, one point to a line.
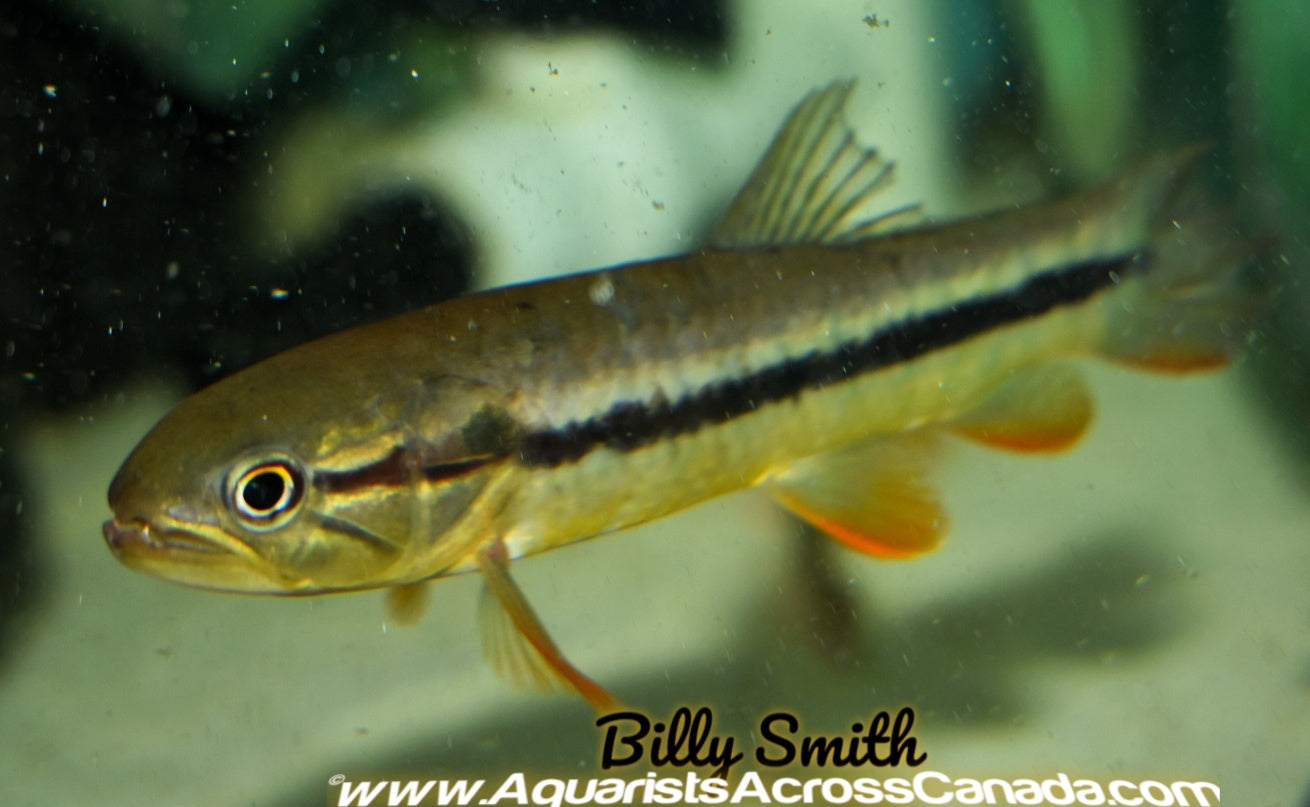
188	557
138	540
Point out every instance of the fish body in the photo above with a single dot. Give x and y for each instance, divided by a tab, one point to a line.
801	352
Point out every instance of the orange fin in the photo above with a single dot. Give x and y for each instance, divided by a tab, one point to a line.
1038	410
517	646
1177	332
407	603
872	496
1191	310
1177	359
1186	328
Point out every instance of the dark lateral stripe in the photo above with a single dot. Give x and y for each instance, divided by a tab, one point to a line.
397	468
632	424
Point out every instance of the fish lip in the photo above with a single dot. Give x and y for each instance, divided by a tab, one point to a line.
127	538
120	536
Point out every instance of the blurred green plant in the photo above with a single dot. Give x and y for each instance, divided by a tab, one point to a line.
235	53
1272	59
214	48
1087	56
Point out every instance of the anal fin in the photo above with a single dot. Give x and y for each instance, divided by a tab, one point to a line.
1045	409
516	644
872	496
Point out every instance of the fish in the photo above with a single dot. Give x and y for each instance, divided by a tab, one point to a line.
808	350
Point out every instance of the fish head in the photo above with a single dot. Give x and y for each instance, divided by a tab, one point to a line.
235	525
257	486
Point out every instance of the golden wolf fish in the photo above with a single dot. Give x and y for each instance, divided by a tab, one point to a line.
804	351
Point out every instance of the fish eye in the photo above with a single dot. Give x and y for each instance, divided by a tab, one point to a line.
267	492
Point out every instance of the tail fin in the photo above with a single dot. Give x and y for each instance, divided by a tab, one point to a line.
1189	310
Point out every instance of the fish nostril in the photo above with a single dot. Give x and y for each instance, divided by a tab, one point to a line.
182	512
185	513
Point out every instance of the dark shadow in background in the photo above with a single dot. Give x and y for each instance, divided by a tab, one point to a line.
964	663
125	252
124	243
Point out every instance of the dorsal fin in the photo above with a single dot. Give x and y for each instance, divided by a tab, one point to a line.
811	181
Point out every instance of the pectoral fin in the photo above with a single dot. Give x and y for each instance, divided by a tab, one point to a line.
517	646
873	496
1046	409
